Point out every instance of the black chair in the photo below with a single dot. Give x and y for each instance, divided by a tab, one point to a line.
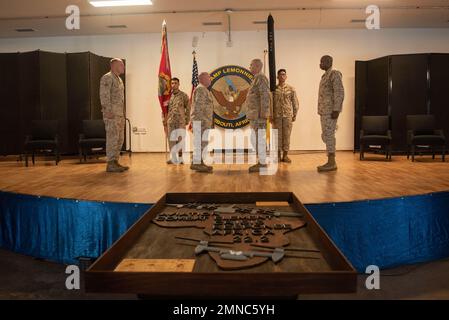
423	133
93	136
43	139
375	132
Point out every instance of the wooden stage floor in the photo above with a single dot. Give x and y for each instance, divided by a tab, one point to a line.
149	178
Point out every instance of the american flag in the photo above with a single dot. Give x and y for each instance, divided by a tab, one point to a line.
195	80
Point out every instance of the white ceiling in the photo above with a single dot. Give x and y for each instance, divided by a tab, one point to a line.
47	17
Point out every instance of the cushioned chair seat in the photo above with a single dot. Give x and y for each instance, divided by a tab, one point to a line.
375	131
428	140
423	131
42	138
92	142
41	143
375	139
93	136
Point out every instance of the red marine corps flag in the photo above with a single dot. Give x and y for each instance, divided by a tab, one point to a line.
164	75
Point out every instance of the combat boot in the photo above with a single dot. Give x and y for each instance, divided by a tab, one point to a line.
285	157
174	161
256	167
331	165
203	168
120	166
209	167
180	158
113	167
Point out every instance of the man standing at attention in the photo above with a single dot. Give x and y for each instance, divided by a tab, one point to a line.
202	113
177	118
285	108
259	109
330	103
112	97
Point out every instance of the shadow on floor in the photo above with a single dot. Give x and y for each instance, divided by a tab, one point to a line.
23	277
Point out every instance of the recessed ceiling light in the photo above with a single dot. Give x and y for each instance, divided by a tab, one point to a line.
120	3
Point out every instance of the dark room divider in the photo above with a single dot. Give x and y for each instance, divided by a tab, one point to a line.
9	110
402	85
43	85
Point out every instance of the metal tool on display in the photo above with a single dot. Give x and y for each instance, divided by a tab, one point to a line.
284	248
275	255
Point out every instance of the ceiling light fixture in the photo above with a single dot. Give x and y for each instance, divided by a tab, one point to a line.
120	3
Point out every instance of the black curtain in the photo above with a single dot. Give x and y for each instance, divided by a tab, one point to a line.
439	91
402	85
53	92
9	105
29	93
98	67
408	94
78	96
49	86
371	91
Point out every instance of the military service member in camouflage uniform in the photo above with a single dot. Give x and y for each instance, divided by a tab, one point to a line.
112	96
202	111
259	110
178	116
330	103
285	108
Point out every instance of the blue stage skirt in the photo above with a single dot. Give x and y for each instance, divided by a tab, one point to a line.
386	232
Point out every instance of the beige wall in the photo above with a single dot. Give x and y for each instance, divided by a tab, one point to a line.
298	51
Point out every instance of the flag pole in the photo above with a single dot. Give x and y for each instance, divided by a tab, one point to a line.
166	143
271	60
267	134
164	33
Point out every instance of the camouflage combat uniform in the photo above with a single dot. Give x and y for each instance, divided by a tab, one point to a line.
203	111
258	106
285	109
330	98
112	96
178	113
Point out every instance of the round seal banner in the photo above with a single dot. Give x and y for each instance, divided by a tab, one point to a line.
230	86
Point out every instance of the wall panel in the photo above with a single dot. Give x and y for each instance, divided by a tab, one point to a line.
408	95
439	90
9	104
78	96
